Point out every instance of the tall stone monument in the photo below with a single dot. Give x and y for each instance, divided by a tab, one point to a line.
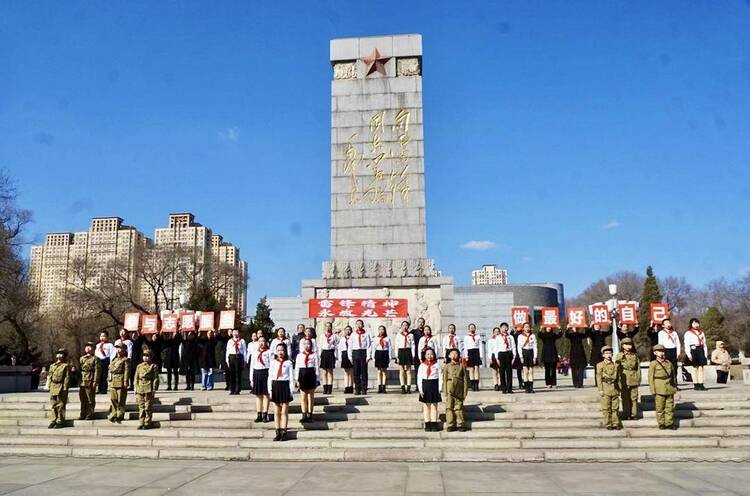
378	235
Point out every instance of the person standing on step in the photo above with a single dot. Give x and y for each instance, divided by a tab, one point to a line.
360	354
492	354
527	350
549	336
281	338
430	383
577	355
608	382
428	341
236	351
189	358
669	339
455	388
696	352
416	336
451	341
517	362
630	379
328	357
91	370
58	378
506	353
119	372
281	384
405	357
146	384
307	378
136	356
628	331
663	388
473	356
124	338
298	336
346	362
207	359
383	355
170	357
260	360
598	337
722	360
653	334
311	338
104	352
222	338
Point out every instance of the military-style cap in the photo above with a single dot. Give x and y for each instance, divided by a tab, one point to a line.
89	343
606	349
626	341
62	351
147	353
658	347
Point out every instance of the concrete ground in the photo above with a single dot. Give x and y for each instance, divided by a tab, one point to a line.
80	477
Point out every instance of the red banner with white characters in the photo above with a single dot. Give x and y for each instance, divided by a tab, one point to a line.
150	324
519	316
659	312
550	317
169	322
628	313
132	321
600	315
577	317
383	308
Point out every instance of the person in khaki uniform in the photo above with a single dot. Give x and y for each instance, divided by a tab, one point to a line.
630	379
661	383
119	373
455	388
58	377
146	383
608	382
91	370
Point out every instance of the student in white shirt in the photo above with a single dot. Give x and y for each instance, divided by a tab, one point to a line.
452	342
259	357
360	354
280	338
430	383
383	356
669	338
527	350
404	357
428	341
307	377
125	339
696	352
346	363
309	337
492	351
235	358
473	356
505	350
104	352
328	357
281	384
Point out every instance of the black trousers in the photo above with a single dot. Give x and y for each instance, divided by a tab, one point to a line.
235	373
550	374
671	355
103	377
359	361
505	368
519	375
722	376
577	373
173	371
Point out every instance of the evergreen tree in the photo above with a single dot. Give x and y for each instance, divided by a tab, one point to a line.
712	323
262	322
203	299
651	294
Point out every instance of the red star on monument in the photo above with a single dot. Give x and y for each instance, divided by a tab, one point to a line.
375	62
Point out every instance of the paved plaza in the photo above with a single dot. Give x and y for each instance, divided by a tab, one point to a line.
60	476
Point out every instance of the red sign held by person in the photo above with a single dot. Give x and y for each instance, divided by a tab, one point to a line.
628	313
577	317
132	321
150	324
550	317
600	315
659	312
226	319
206	321
519	316
383	308
169	322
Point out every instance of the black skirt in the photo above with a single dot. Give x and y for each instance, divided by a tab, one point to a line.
382	359
698	357
474	358
430	391
260	382
345	362
280	392
327	359
308	381
494	364
528	358
405	357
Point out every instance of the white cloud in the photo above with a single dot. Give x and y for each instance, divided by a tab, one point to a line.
527	259
613	224
230	134
479	245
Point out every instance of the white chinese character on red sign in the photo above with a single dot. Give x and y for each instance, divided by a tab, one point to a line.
325	314
391	303
368	304
390	314
325	303
601	315
346	313
369	313
347	303
575	318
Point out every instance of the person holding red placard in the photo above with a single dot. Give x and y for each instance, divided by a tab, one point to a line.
549	336
577	354
696	352
473	356
189	358
598	337
527	350
328	357
627	331
170	357
207	359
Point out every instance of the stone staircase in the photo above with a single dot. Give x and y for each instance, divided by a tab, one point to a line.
552	426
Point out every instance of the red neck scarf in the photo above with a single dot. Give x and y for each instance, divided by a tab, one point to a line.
426	342
670	334
505	340
307	358
281	367
429	364
473	338
101	346
328	338
236	342
528	338
260	356
699	334
452	340
359	335
382	342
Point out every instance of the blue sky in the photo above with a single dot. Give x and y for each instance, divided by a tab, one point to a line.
574	138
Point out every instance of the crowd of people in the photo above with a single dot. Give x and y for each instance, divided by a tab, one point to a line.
445	370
